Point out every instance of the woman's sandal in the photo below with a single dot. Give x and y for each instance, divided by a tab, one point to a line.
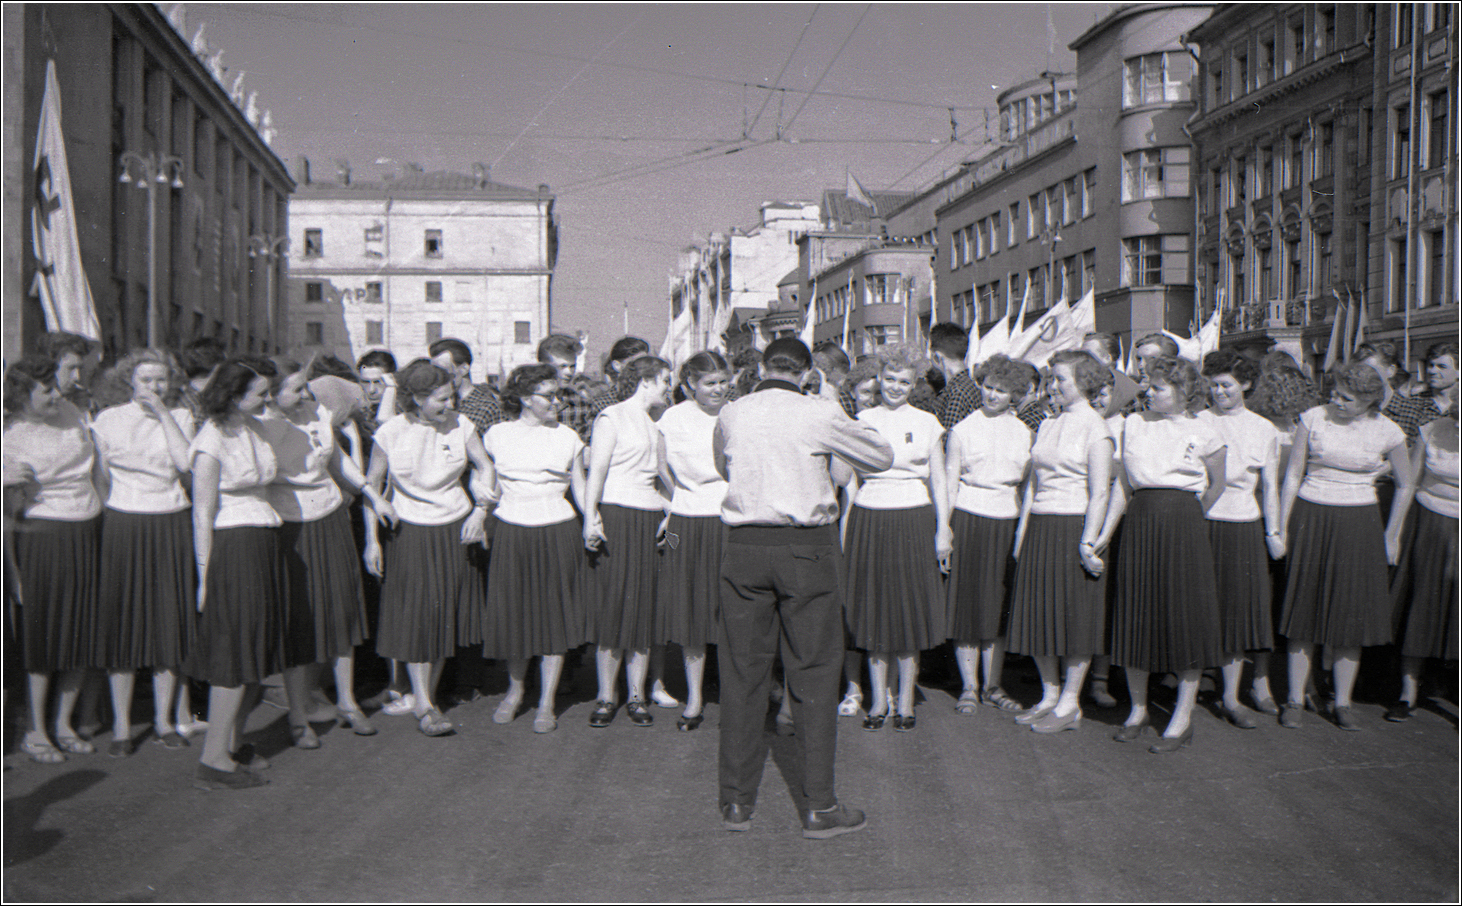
545	723
303	736
999	699
851	704
359	723
507	709
74	745
433	723
42	752
969	702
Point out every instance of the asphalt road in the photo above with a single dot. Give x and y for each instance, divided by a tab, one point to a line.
963	808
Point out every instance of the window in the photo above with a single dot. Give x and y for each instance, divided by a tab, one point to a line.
1088	270
434	243
1088	193
1294	269
522	332
1012	236
375	335
375	239
954	251
314	243
1294	172
1398	264
1240	85
314	333
433	332
966	237
1325	28
373	293
981	240
1216	96
1266	274
1035	215
1237	269
1070	286
1325	154
1213	195
1036	280
314	292
1155	173
1296	57
1436	132
995	232
882	289
1401	142
1436	269
1155	260
1240	181
882	335
1015	292
1070	200
1265	184
1157	78
1053	207
1324	260
433	291
1266	61
1402	31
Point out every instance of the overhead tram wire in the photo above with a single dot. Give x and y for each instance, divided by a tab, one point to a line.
829	68
778	80
667	163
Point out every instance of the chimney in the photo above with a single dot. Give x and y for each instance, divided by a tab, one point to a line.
342	171
302	170
479	175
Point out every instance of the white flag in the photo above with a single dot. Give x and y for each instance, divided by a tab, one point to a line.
1062	327
1208	335
60	278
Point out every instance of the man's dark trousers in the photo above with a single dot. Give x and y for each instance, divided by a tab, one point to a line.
780	585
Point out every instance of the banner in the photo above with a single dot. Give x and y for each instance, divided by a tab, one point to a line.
1062	327
60	279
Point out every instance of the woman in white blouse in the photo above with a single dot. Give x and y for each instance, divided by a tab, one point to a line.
49	459
1240	533
695	537
147	592
986	463
535	604
1057	608
326	598
623	509
1424	586
898	541
1338	552
243	593
433	567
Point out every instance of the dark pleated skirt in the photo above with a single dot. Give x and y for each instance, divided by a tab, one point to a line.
1336	590
1165	605
1241	567
689	586
149	598
892	599
241	632
327	604
620	579
59	566
1424	588
535	590
434	593
1057	608
981	573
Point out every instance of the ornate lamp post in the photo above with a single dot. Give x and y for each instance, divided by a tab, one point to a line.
271	249
149	171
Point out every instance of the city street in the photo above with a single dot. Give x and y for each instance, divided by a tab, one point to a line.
963	808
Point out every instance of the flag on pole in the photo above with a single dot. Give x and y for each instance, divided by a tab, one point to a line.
60	279
1187	347
1061	327
857	193
847	306
1360	320
972	350
582	359
1334	350
809	318
1208	334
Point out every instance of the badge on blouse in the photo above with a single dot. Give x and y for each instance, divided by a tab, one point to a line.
908	437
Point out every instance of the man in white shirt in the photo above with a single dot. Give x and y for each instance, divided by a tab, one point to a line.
779	581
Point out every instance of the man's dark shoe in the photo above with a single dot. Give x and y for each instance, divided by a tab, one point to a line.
832	822
735	817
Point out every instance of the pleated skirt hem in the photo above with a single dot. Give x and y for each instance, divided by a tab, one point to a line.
1336	591
1245	586
891	583
1057	608
433	595
535	590
149	607
689	585
327	604
981	573
241	632
621	577
1424	588
58	564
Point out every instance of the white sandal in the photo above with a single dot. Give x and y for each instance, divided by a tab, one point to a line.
851	704
399	704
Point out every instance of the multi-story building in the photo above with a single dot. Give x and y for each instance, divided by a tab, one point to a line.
1089	188
140	101
402	262
1307	169
736	275
879	294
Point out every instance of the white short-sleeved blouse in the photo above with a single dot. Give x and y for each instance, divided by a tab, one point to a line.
995	453
1058	460
533	464
304	446
246	467
61	454
914	435
427	461
1252	442
1438	488
1346	456
1161	451
699	488
635	463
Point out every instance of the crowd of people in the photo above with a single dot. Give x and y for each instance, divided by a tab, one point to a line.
220	520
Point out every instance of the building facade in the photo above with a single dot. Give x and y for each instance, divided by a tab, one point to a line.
1304	151
139	100
879	294
1089	189
402	262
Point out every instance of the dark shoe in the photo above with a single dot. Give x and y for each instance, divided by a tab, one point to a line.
173	740
736	817
1239	717
1266	706
248	757
1345	718
1169	744
1102	695
1291	715
686	724
903	724
639	714
120	748
210	779
874	721
603	714
832	822
1399	712
1130	732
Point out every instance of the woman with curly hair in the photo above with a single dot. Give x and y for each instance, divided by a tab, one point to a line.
987	461
1281	393
147	591
622	512
1164	615
535	604
243	590
898	540
1338	551
1057	606
49	459
433	564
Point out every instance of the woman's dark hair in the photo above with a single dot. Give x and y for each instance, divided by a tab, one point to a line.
330	366
701	364
626	348
1162	341
57	343
229	384
1013	376
283	368
419	378
636	370
1226	361
1091	376
24	376
1283	391
1385	352
1361	381
378	358
202	356
1182	375
522	382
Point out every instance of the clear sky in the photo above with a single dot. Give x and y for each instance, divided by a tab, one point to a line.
608	104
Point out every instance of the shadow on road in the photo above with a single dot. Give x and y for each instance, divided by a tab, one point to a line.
23	840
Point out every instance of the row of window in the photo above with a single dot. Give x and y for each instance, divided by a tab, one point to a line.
1164	77
1063	204
1155	173
1289	46
374	243
373	292
878	289
1028	112
375	333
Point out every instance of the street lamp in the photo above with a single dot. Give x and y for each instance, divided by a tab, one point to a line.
149	171
271	249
